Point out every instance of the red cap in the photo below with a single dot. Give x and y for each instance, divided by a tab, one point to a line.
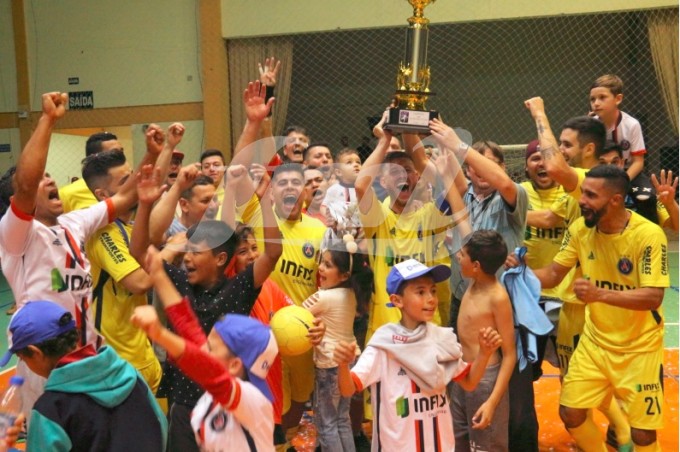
177	154
532	148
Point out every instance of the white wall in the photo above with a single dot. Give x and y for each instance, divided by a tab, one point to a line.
8	159
127	52
276	17
8	73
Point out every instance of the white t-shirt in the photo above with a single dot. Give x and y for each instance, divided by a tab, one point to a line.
338	200
249	417
627	133
337	308
405	417
49	263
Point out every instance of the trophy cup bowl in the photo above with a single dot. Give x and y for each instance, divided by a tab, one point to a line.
410	113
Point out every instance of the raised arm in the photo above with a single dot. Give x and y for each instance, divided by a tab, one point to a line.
173	136
492	172
555	164
249	148
237	180
126	197
31	166
273	248
414	146
449	168
164	211
371	167
149	189
665	187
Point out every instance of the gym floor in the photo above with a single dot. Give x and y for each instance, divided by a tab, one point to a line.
552	435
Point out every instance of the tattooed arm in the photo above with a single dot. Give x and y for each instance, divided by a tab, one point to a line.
555	164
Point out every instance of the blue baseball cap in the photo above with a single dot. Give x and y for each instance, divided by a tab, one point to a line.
254	343
412	269
36	322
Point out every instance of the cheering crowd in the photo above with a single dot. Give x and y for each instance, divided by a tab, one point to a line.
438	286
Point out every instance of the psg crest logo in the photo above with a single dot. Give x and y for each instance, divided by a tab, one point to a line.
219	422
308	250
625	265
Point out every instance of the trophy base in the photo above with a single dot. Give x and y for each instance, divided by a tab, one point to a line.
402	120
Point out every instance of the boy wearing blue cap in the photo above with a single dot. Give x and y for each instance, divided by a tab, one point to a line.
408	365
93	399
231	364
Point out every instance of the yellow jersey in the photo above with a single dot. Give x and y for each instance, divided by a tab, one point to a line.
632	259
250	214
76	196
581	175
295	271
543	244
393	238
113	305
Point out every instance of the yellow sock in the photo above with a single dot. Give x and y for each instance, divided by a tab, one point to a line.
588	437
617	420
654	447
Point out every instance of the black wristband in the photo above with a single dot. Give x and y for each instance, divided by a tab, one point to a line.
269	93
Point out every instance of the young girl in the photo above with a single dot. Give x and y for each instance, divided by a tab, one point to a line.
345	285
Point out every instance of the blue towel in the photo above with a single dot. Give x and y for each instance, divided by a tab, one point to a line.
524	290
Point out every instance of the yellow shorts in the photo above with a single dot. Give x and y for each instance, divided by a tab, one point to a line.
569	329
152	375
298	379
595	374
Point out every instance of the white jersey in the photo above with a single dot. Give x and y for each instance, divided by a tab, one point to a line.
246	425
627	133
49	263
338	200
405	418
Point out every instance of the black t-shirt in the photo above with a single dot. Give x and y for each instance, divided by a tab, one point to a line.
229	296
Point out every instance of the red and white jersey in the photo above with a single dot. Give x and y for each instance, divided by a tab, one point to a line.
405	418
627	133
246	424
49	263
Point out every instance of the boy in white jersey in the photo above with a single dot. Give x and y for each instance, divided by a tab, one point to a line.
606	94
408	365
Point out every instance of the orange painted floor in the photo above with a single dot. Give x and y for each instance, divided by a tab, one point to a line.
553	436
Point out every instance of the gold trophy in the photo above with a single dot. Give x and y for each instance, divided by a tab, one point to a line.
413	79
